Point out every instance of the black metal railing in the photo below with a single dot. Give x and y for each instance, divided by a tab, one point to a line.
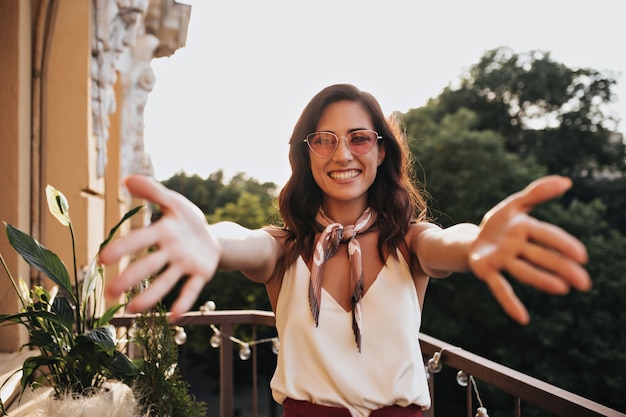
521	387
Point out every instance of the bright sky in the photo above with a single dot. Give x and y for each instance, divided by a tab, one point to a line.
229	99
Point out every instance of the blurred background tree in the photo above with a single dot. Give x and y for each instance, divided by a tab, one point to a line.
512	118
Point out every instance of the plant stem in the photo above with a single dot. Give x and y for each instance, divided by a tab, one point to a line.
6	268
79	325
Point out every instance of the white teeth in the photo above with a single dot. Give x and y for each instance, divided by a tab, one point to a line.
343	176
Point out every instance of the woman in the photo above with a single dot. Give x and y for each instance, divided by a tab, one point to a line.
347	274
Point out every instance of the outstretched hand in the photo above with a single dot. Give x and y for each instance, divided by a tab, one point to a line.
181	247
536	253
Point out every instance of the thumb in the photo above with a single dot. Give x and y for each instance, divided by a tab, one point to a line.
148	188
541	190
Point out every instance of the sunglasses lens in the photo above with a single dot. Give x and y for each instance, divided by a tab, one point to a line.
361	142
322	143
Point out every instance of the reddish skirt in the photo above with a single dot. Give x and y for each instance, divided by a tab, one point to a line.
297	408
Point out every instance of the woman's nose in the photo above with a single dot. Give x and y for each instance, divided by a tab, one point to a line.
343	152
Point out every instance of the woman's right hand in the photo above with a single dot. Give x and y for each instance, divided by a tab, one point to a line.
180	245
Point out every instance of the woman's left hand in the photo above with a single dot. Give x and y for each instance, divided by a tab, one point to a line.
536	253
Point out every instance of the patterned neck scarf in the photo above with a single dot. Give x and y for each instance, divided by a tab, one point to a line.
332	236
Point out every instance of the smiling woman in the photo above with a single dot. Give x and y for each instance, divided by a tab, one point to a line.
348	271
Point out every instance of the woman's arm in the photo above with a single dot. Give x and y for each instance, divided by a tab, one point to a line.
181	245
508	239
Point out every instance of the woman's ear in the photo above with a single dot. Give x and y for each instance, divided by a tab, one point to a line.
381	153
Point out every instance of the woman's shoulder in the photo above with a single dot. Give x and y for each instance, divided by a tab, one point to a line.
278	233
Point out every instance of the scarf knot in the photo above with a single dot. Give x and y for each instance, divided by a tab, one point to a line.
325	248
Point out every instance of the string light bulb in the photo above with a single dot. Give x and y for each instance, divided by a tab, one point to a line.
434	363
180	337
208	306
216	341
462	378
245	352
481	412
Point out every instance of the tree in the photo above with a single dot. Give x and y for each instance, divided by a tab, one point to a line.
543	109
211	193
471	151
465	171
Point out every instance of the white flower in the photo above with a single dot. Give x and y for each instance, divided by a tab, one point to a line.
53	294
58	205
91	275
25	292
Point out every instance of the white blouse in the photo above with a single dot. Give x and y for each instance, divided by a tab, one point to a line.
322	364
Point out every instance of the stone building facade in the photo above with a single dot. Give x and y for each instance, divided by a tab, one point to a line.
75	77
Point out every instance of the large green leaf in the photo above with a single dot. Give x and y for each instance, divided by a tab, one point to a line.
127	216
64	311
32	364
32	316
40	257
43	340
122	367
103	337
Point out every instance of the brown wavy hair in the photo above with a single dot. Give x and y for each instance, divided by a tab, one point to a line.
393	194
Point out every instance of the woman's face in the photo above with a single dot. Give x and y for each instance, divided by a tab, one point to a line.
343	176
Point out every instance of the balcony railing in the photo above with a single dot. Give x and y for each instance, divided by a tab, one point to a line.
522	388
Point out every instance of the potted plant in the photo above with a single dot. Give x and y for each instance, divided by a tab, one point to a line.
78	351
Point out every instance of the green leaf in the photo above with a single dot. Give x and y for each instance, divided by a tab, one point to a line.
31	315
127	216
64	311
108	315
121	366
42	340
58	205
32	364
40	257
104	337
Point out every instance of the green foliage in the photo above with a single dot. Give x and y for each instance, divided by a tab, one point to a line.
162	391
481	142
212	193
77	351
465	171
542	109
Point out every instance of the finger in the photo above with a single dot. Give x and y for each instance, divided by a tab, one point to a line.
188	295
143	186
136	272
158	288
541	190
505	296
552	236
562	266
150	189
541	279
136	241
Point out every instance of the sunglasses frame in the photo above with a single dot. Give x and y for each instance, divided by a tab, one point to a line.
306	140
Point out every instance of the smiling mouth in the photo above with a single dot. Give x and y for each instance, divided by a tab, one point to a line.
344	175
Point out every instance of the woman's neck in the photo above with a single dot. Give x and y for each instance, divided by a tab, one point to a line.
344	212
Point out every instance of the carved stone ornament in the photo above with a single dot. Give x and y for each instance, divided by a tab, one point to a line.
127	35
